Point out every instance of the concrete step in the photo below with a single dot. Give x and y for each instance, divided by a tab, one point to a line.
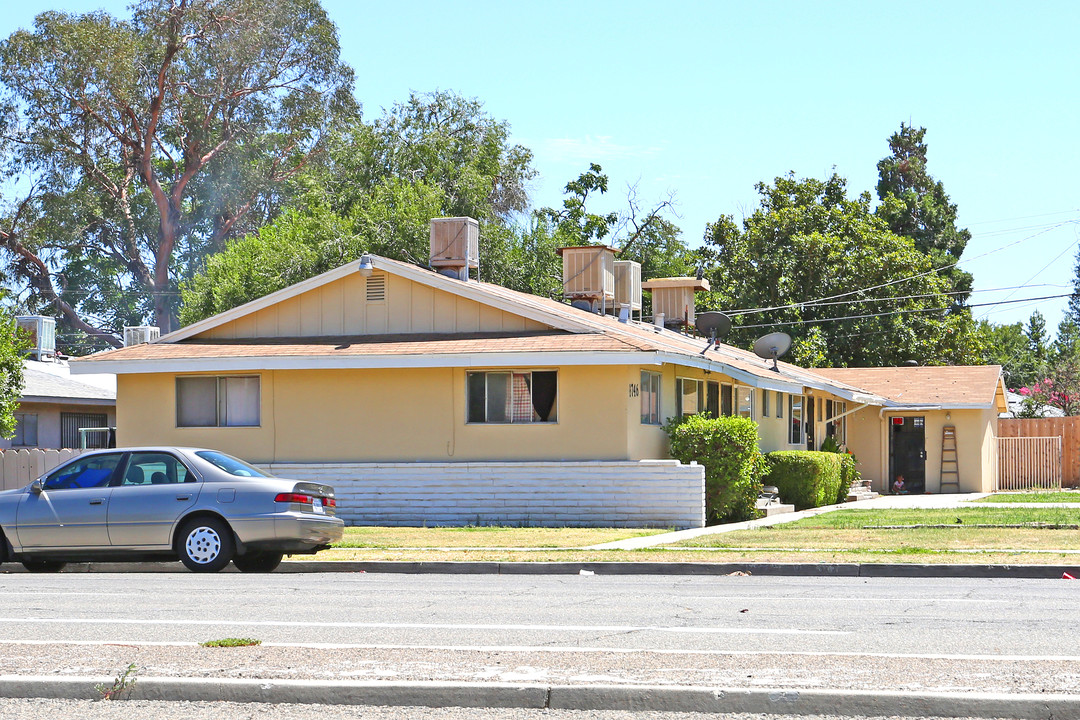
774	508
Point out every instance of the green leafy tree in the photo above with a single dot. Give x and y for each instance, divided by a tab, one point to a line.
13	346
916	206
152	140
1009	346
811	257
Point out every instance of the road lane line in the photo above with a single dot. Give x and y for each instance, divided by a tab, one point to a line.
428	626
567	650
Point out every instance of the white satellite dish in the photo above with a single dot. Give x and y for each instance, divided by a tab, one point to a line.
712	324
772	346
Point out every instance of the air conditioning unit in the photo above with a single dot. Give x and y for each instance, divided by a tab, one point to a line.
138	334
628	285
42	331
589	274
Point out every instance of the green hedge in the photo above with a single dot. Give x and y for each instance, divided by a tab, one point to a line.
728	449
809	479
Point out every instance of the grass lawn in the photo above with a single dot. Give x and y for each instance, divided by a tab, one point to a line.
847	536
1060	496
483	537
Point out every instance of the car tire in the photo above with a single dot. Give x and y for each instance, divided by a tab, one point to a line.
205	544
259	562
43	566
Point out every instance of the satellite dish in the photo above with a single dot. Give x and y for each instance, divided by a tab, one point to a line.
713	325
772	346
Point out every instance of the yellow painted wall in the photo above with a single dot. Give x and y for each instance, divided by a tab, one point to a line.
868	438
342	308
391	415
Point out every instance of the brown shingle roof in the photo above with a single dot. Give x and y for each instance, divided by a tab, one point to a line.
947	386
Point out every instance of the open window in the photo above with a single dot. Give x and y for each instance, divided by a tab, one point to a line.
512	396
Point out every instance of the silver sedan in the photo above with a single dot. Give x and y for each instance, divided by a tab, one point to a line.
202	507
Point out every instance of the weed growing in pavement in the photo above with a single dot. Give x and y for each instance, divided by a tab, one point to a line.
123	683
231	642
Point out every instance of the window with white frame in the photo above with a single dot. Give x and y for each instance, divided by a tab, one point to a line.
836	426
223	401
796	430
504	396
650	398
689	396
744	397
25	430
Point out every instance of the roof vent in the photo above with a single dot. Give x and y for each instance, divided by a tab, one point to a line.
674	297
139	334
42	331
455	246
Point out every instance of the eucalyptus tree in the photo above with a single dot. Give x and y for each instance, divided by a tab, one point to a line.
133	147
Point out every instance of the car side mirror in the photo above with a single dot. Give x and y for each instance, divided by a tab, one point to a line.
37	487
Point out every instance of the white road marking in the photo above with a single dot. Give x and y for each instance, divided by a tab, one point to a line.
917	600
428	626
564	650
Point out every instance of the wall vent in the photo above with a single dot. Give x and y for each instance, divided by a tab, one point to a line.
376	288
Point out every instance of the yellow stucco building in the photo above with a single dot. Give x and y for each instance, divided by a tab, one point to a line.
380	373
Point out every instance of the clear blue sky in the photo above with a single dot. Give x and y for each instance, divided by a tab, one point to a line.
707	98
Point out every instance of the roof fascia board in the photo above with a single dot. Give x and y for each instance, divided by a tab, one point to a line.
468	290
367	362
65	400
748	378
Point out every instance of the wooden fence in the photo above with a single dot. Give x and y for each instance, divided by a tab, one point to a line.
1027	463
19	467
1066	428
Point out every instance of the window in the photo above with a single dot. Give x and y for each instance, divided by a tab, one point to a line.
764	403
650	398
836	428
795	412
690	396
745	399
511	397
231	465
229	401
25	430
71	423
779	404
155	468
725	400
712	398
86	472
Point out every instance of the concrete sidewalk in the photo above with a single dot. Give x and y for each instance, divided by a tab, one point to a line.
883	502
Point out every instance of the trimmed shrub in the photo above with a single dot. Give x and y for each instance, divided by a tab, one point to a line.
806	478
727	447
848	476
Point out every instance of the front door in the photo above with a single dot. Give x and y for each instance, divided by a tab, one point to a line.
907	455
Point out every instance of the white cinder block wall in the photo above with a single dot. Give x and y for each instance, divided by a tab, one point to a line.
649	493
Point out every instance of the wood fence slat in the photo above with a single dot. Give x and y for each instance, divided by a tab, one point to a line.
1065	428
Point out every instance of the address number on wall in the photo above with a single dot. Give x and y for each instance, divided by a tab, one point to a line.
635	390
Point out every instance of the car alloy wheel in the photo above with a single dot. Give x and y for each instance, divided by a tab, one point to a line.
206	545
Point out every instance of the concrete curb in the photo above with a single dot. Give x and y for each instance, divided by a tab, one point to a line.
875	570
563	697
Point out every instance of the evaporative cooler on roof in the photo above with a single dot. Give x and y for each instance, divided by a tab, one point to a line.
455	246
589	276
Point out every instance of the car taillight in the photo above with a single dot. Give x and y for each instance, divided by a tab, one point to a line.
329	502
293	498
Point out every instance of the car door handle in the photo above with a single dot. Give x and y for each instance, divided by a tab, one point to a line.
183	497
96	501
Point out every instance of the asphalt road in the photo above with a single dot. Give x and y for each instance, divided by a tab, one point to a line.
927	617
988	635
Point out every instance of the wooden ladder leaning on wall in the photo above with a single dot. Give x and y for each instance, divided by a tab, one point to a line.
950	466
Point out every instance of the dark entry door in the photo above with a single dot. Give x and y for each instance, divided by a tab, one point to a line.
907	453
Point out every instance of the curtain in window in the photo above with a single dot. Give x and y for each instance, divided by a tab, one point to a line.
239	400
544	390
522	405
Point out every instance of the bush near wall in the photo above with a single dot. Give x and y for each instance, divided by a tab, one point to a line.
728	449
849	476
808	479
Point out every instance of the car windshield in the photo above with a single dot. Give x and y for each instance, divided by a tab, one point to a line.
231	465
